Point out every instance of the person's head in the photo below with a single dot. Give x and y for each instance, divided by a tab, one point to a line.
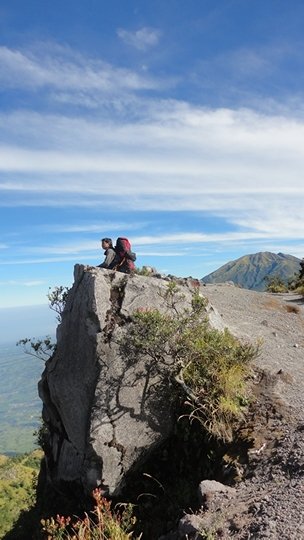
106	243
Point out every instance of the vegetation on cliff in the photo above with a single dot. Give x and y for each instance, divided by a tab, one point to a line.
44	348
18	478
102	523
210	367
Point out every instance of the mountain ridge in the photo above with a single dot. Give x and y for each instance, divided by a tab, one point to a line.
250	271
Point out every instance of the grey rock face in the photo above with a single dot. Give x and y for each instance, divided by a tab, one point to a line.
105	411
208	488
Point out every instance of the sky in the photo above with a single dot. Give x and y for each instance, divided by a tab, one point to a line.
176	123
17	323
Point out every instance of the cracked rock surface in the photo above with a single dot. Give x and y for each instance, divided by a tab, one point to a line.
105	411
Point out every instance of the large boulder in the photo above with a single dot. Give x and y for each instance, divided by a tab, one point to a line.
105	411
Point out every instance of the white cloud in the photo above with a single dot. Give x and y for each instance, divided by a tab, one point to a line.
272	225
34	283
116	148
183	152
241	165
295	250
51	66
141	39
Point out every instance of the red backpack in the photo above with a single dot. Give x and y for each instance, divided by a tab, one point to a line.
125	256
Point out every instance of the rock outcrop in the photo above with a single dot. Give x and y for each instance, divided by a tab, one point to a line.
104	411
108	413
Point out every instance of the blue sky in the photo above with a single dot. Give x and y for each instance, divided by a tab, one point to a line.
17	323
179	124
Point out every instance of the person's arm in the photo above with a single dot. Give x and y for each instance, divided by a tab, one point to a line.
110	256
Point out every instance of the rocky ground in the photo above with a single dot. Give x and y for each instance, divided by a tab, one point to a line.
267	501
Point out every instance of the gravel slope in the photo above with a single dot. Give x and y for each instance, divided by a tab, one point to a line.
269	499
267	317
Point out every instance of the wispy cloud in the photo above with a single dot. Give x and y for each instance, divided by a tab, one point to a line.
14	282
49	66
186	241
256	75
192	238
89	227
75	248
249	62
141	39
183	152
43	260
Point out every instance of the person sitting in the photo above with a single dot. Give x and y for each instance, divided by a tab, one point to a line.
110	254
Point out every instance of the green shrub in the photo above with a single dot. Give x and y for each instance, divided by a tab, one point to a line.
300	289
45	348
57	300
211	367
275	284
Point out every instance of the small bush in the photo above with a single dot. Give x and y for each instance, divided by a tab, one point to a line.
42	349
300	289
275	284
216	373
45	348
101	524
210	366
145	271
57	299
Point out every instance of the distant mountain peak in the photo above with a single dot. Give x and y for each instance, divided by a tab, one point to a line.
250	271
